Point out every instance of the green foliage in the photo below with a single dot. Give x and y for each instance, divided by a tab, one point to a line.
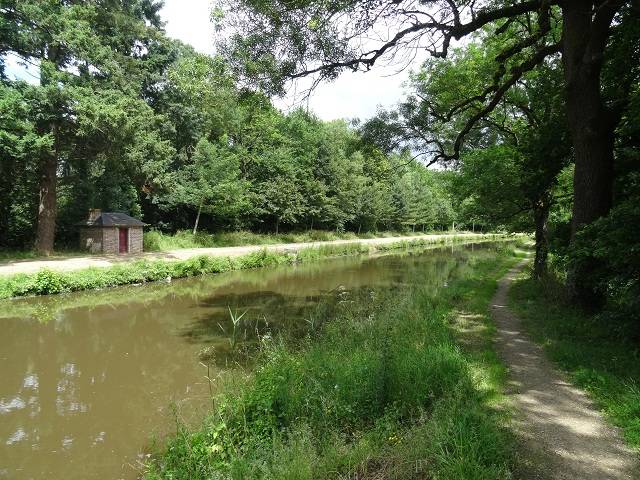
313	253
47	282
608	254
137	122
210	182
86	121
382	389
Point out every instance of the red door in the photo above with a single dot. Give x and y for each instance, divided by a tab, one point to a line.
124	240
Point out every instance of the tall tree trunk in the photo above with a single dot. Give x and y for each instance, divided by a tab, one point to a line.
46	220
541	215
6	175
195	225
277	224
590	123
45	232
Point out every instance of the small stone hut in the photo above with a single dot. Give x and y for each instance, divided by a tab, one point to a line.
111	232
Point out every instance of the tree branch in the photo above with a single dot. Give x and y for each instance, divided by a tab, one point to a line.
516	74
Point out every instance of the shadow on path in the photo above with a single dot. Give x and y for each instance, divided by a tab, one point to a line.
563	435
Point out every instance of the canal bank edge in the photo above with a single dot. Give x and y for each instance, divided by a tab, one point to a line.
193	262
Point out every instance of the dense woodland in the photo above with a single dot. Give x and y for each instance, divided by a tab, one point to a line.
126	119
533	124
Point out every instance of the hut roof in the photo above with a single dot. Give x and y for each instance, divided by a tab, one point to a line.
113	219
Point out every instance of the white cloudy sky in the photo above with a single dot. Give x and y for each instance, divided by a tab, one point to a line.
353	95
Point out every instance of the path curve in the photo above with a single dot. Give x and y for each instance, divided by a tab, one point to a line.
563	436
78	263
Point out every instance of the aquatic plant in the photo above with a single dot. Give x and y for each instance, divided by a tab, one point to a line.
235	322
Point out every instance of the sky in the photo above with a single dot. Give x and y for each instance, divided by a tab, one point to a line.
352	95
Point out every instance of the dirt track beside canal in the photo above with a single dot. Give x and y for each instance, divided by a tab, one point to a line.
102	261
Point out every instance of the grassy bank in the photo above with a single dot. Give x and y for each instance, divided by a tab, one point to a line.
604	361
155	241
381	390
46	282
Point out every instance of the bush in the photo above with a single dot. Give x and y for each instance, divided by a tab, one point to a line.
607	254
47	281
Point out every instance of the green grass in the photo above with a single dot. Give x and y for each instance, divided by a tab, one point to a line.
46	282
157	241
599	357
12	255
381	390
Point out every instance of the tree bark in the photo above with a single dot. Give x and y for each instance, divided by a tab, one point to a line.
195	225
46	220
590	123
6	174
541	215
45	233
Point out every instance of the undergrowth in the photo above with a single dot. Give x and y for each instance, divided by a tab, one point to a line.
604	361
382	390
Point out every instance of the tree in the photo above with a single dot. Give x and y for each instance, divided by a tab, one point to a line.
417	200
315	38
210	182
281	200
20	147
513	154
73	44
277	188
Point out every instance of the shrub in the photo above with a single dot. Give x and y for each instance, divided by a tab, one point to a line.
609	252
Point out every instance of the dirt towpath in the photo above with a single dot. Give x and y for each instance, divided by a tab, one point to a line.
77	263
562	434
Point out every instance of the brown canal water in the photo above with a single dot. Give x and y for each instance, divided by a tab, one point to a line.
88	380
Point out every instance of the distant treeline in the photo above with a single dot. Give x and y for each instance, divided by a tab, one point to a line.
123	118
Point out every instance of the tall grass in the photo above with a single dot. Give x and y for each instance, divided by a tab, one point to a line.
383	390
157	241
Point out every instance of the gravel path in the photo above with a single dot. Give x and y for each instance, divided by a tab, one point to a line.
563	436
77	263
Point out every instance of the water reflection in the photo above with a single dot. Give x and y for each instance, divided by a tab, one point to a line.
88	378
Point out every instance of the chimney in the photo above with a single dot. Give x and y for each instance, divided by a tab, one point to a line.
94	213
